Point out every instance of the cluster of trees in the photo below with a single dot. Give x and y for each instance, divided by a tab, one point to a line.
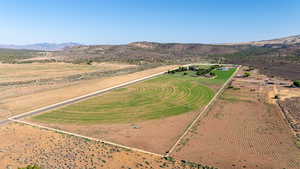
193	68
199	71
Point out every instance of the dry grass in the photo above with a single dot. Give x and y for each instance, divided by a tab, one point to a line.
35	71
21	145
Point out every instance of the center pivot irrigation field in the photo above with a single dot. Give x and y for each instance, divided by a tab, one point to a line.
166	95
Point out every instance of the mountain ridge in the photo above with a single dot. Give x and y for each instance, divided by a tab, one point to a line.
288	40
45	46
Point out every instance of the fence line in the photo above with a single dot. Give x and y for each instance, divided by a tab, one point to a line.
23	115
86	137
202	112
82	97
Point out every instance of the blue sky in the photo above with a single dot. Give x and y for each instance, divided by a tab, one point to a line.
123	21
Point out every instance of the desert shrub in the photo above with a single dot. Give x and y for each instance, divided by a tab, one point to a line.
89	62
168	158
230	87
233	88
276	96
250	68
247	74
31	167
296	83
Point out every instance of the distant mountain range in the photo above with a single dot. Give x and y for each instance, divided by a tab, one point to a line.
42	46
279	56
154	52
291	40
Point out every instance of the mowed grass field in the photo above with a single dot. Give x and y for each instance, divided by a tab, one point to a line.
163	96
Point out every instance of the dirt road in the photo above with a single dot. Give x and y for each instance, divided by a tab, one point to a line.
29	102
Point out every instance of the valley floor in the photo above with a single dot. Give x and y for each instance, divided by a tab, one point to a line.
244	128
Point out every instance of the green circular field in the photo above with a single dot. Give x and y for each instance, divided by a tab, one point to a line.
163	96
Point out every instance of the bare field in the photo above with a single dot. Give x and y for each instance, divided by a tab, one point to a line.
36	71
23	145
242	130
152	135
38	97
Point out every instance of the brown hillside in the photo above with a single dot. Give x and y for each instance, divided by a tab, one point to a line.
149	52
